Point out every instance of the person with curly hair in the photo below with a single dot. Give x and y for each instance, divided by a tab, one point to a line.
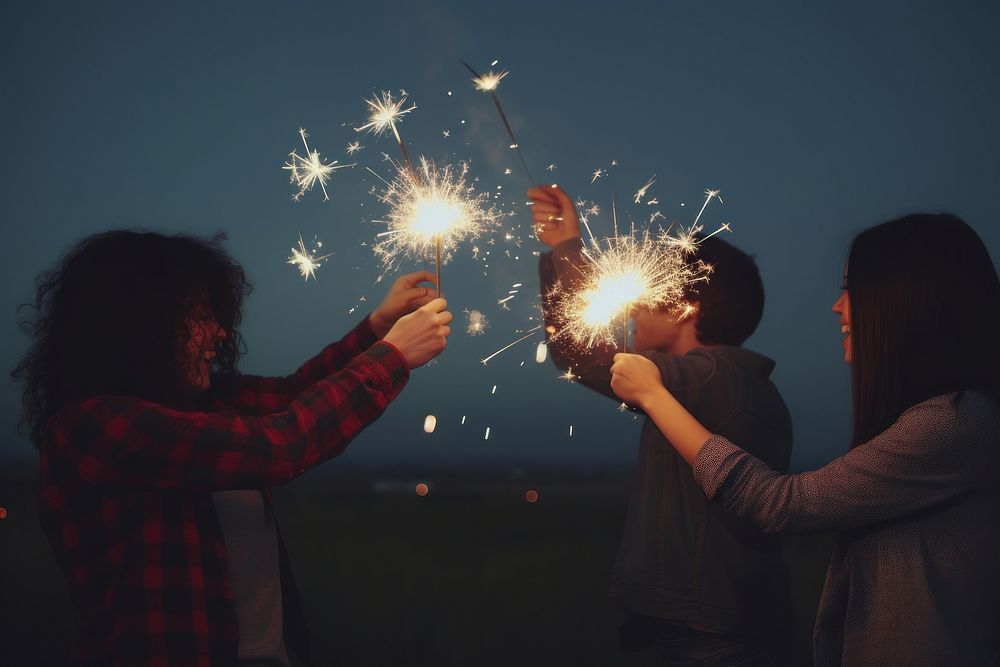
157	456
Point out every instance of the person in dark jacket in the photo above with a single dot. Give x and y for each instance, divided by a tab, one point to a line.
913	579
157	457
694	583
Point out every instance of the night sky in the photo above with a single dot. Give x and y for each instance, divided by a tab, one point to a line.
815	120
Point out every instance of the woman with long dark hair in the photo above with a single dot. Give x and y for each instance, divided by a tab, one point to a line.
157	457
913	578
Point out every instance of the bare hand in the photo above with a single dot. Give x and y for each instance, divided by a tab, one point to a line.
553	214
421	335
635	379
403	298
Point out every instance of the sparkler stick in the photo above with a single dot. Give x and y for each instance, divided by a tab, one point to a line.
384	113
488	83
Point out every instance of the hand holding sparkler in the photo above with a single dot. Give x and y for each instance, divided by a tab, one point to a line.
553	214
403	298
421	335
636	380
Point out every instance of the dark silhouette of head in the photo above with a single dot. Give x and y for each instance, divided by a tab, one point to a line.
107	319
731	303
925	316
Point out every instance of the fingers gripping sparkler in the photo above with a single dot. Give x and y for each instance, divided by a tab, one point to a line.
488	83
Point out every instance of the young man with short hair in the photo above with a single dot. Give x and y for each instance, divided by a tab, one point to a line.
695	584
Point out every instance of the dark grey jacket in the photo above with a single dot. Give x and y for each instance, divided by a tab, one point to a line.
682	557
913	579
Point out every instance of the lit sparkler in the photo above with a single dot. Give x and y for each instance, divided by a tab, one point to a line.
488	83
433	209
306	172
384	113
626	272
306	260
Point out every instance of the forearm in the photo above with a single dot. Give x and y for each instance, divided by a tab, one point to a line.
684	432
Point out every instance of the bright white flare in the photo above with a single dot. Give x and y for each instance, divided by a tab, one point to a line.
634	271
489	81
432	206
306	172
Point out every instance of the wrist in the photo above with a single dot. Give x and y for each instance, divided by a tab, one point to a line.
651	397
380	326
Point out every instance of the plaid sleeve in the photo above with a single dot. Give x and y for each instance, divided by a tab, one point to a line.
127	441
259	395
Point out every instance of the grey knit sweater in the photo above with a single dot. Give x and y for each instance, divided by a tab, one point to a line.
913	579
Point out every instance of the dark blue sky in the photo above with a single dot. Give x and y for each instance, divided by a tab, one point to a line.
814	119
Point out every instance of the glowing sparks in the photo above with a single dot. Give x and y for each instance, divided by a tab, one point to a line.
384	113
569	376
306	260
488	82
430	423
477	323
541	353
627	272
641	192
597	174
306	172
529	334
432	210
354	147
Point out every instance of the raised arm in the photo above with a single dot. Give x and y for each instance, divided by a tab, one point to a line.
259	395
557	226
925	458
126	441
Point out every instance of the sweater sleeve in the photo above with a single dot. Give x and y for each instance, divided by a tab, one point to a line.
920	461
125	441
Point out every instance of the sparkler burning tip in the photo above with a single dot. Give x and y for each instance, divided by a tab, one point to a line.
488	82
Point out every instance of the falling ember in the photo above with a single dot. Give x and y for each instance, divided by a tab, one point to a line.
463	419
477	323
430	423
306	172
541	352
306	260
531	495
422	489
494	390
487	436
3	513
571	430
432	210
626	272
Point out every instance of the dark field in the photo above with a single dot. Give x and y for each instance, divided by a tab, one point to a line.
471	574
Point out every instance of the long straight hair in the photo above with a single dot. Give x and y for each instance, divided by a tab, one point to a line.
925	317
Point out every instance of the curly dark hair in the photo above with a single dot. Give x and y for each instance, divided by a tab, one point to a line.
107	317
731	303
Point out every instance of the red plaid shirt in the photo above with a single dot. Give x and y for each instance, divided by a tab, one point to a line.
126	495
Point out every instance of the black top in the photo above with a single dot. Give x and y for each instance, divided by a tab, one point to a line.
683	557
